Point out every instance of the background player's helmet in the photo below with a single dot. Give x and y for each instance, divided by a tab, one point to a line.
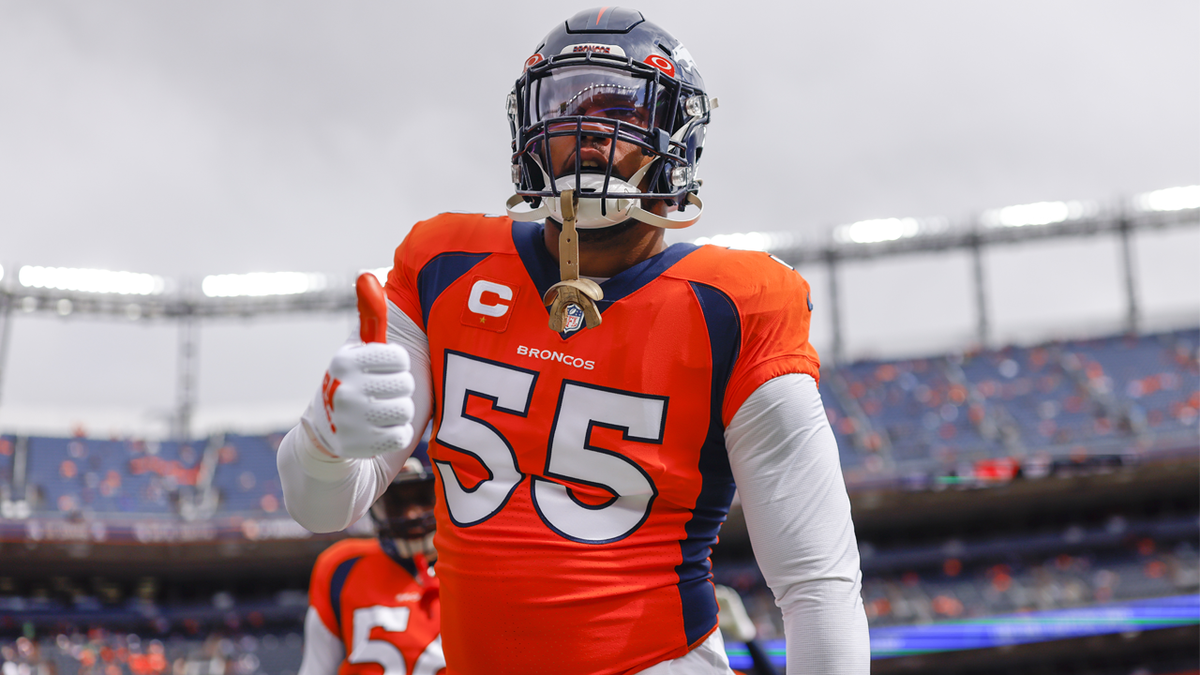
611	54
403	514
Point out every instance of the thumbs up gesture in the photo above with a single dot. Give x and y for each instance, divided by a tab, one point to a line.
364	407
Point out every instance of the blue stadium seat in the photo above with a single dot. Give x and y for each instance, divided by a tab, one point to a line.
246	476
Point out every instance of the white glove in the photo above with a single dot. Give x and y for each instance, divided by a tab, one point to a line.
364	407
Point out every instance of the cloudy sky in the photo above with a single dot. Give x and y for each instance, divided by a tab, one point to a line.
193	138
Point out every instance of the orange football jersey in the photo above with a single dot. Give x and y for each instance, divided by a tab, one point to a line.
381	613
583	476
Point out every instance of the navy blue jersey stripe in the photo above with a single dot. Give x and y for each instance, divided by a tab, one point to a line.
441	271
716	490
543	270
335	588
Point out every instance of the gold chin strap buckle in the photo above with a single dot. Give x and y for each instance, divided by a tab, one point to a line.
583	293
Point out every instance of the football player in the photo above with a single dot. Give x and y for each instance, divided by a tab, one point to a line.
373	603
596	394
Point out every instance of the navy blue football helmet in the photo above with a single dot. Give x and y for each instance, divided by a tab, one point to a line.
607	78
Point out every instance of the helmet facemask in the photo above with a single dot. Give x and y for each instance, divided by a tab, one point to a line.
404	518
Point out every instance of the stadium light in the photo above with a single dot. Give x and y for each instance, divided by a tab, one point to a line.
261	283
751	241
90	281
877	230
1170	199
1040	213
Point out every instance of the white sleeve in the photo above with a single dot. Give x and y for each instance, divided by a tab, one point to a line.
785	461
328	494
323	651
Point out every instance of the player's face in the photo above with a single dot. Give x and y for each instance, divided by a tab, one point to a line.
596	150
610	105
407	509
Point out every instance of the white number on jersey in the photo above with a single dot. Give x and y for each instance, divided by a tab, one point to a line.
509	390
384	653
581	407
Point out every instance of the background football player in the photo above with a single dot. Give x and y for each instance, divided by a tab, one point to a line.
373	603
597	393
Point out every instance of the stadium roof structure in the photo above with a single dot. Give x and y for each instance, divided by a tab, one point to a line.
131	296
1024	223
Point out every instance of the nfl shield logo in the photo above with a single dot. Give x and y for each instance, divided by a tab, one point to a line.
574	319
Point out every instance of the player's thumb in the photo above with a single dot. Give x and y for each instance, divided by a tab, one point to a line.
372	309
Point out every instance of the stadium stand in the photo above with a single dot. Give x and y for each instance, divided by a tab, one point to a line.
956	578
7	449
853	453
1154	378
919	408
1041	406
245	477
1118	394
77	476
1029	573
102	652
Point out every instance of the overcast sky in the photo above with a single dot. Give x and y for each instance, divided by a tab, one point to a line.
192	138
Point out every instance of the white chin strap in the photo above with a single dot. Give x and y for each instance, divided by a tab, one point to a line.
590	216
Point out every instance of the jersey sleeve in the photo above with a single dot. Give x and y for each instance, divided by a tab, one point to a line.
401	287
323	651
446	234
775	310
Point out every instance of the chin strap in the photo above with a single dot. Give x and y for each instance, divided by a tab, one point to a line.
430	585
670	223
618	202
636	212
583	293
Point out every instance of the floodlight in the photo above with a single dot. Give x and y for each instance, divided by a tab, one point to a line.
90	280
1040	213
877	230
1170	199
261	283
752	241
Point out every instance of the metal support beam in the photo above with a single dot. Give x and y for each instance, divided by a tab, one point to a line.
20	470
1131	303
7	300
982	328
186	378
835	309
